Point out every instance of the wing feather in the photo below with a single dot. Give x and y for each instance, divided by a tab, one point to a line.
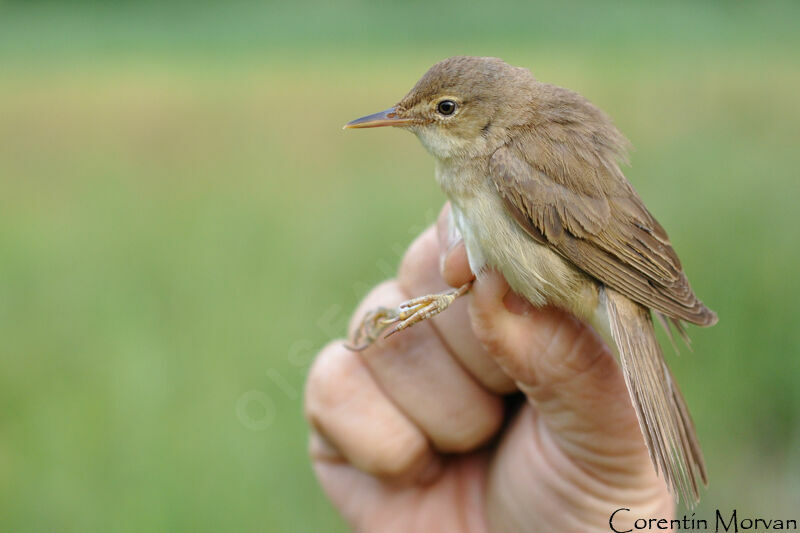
607	232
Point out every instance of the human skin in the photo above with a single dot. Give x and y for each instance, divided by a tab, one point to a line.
421	431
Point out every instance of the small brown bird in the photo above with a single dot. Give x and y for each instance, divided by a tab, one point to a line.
533	175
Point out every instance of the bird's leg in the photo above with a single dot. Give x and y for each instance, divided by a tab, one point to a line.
403	316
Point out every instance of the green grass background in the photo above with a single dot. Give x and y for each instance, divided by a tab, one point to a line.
183	223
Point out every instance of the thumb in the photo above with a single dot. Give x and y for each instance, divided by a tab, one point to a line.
575	449
564	368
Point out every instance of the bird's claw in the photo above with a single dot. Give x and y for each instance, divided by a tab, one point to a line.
401	317
419	309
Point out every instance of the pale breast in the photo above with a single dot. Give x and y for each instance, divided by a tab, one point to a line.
494	239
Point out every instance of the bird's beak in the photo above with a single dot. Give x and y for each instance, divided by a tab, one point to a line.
387	117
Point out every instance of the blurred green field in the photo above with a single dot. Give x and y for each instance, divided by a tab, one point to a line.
183	223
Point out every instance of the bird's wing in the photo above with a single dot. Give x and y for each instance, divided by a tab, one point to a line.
601	226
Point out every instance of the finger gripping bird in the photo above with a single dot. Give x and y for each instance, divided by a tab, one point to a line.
533	175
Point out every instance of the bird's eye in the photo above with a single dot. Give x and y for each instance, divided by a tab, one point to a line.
446	107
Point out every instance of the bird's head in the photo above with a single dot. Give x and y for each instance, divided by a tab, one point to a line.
463	107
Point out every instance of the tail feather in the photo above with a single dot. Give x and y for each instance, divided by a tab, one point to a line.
663	416
668	323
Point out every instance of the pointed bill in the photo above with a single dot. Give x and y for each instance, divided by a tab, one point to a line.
387	117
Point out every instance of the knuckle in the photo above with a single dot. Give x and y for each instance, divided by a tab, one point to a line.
579	353
474	433
396	456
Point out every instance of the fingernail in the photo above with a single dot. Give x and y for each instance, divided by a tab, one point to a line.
517	304
443	258
445	255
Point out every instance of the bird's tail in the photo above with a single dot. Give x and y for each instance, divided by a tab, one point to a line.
663	416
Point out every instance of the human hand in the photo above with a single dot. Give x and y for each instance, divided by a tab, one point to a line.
422	431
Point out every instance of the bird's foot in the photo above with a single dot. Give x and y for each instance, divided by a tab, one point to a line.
403	316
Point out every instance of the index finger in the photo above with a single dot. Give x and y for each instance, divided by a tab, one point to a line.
454	325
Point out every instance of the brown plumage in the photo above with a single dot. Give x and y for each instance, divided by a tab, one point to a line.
532	172
608	234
